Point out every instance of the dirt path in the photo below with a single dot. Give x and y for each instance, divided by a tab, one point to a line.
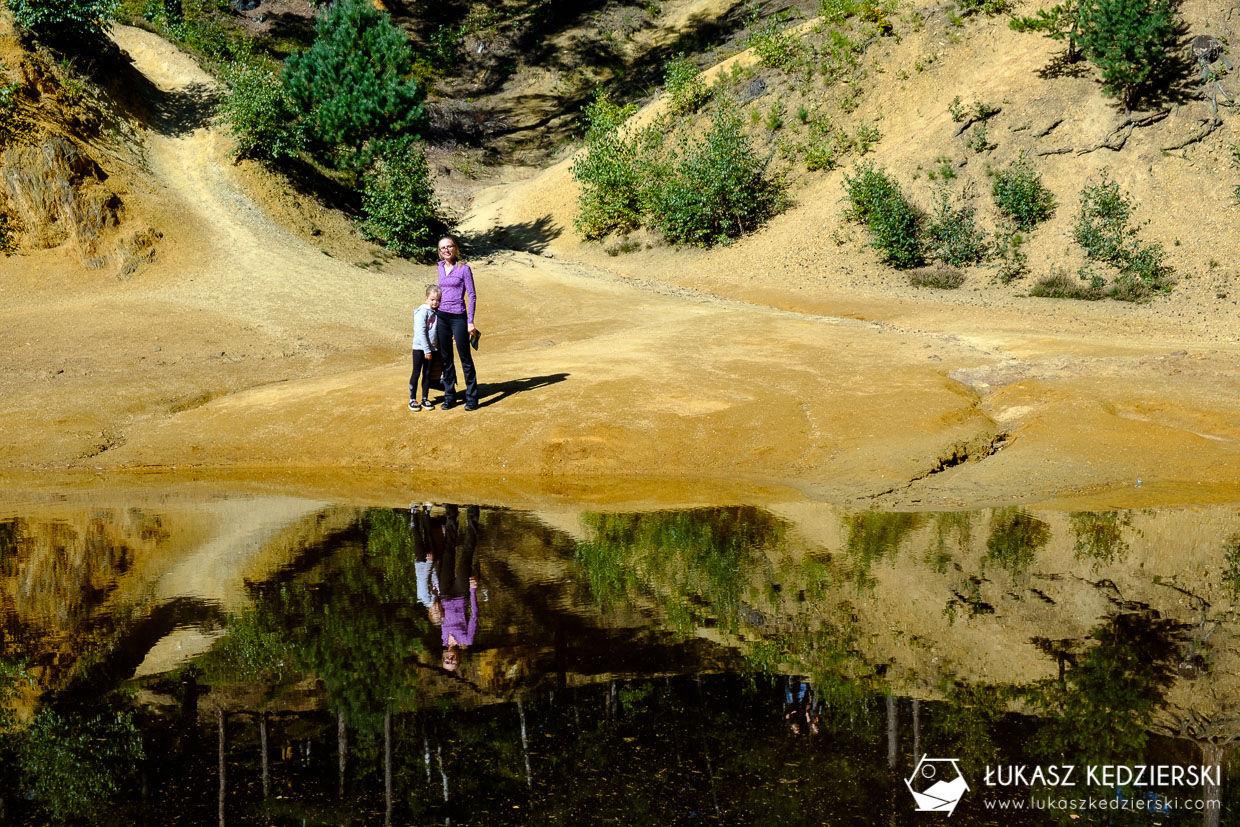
246	352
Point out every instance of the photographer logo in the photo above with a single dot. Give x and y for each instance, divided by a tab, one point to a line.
937	784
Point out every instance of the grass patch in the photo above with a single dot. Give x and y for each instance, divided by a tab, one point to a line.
1060	285
937	276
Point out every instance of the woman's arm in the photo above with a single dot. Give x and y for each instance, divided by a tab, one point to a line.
472	304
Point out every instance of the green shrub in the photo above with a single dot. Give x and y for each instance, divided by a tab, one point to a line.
1103	228
1128	40
956	110
716	189
399	203
824	146
775	116
64	22
684	86
876	200
979	138
838	11
953	237
1019	194
867	136
613	172
209	37
1009	249
74	764
7	242
9	93
775	49
353	85
260	114
988	7
840	54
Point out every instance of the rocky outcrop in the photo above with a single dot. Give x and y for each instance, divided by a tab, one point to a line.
57	194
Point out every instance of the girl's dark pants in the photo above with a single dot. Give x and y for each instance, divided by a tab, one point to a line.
422	368
456	325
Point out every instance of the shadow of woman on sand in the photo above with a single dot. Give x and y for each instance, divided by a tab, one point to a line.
489	394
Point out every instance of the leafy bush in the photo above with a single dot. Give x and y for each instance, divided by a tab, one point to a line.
613	172
837	11
65	22
1009	249
684	86
1128	40
75	764
1104	230
988	7
1019	194
400	205
956	110
209	37
824	146
260	114
715	190
1102	227
979	138
876	200
352	84
775	49
953	237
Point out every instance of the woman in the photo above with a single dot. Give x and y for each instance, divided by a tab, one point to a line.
456	322
458	620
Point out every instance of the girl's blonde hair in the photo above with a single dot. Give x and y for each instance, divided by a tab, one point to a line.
432	289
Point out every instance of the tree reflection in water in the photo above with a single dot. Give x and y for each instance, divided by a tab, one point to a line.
648	680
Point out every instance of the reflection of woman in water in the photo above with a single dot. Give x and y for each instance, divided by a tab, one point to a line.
457	583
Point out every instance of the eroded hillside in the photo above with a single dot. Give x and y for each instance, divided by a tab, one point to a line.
259	332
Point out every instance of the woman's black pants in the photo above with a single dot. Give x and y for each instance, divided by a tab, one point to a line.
455	326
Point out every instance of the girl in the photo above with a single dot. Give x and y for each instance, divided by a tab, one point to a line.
424	345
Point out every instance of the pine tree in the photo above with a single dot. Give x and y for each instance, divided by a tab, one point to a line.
1128	40
354	85
1059	22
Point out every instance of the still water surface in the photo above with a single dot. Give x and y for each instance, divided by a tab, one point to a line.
280	661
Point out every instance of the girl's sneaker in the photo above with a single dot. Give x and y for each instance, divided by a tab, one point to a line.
414	406
427	405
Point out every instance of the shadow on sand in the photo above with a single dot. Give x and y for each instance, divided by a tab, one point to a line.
489	394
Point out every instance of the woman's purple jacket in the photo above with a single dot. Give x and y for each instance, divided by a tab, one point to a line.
454	622
455	283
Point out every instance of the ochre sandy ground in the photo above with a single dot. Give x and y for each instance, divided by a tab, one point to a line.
246	354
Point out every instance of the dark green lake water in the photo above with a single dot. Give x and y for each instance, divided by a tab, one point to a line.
286	662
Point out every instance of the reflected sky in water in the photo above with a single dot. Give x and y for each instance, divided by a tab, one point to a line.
283	662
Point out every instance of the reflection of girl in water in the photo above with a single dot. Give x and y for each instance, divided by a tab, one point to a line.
800	706
427	535
457	583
